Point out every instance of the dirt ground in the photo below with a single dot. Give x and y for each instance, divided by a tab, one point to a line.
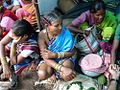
27	81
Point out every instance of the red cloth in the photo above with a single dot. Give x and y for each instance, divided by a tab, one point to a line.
9	14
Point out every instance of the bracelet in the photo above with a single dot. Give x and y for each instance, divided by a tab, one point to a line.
56	67
59	68
59	56
3	60
115	80
62	54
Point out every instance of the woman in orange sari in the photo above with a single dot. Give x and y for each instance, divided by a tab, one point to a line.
27	12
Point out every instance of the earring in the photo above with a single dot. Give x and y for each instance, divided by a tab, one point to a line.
60	27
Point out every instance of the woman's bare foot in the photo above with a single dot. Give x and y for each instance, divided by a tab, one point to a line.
32	66
51	80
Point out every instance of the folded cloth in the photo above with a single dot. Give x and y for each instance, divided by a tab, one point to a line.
20	67
6	22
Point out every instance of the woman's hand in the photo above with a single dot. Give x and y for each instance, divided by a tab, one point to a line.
6	72
67	73
48	54
114	70
17	40
20	39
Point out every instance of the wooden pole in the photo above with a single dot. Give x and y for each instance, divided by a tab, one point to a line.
36	2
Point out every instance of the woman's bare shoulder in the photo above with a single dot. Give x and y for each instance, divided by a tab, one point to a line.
42	33
43	36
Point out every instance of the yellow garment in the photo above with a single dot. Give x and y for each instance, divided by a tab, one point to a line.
30	9
107	33
83	26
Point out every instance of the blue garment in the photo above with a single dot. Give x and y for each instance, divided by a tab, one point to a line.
18	68
13	2
62	43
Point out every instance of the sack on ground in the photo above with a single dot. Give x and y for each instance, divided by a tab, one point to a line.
81	82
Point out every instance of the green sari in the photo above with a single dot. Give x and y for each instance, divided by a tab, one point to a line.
108	26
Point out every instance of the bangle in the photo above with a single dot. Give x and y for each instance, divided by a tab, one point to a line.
3	60
59	68
115	80
58	55
56	67
62	54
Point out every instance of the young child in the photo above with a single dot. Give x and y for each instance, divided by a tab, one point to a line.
57	50
21	40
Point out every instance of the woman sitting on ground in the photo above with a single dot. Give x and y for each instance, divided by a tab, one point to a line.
57	50
97	15
22	43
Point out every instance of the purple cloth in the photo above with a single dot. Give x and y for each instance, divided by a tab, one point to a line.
84	17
